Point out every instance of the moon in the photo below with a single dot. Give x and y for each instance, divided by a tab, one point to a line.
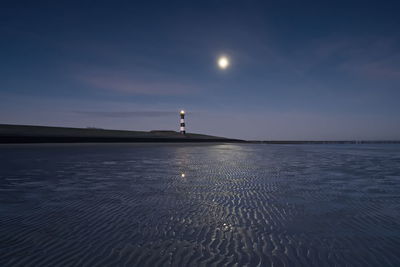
223	62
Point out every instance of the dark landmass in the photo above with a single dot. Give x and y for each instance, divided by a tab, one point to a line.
289	142
43	134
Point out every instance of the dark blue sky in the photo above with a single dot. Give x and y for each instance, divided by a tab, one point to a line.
299	69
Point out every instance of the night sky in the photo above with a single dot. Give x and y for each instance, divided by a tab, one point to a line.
299	70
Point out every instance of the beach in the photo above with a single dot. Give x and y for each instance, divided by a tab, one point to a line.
199	205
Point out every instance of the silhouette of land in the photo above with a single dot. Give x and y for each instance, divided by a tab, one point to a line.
294	142
45	134
10	133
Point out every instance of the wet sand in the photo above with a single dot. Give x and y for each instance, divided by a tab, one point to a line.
235	205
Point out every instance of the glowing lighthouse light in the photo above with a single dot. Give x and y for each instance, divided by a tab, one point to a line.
182	127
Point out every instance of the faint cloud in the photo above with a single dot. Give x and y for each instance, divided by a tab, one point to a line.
127	114
373	57
378	69
382	69
121	83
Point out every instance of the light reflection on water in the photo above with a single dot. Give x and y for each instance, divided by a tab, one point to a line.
194	204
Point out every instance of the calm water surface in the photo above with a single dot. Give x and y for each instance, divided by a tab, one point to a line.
199	205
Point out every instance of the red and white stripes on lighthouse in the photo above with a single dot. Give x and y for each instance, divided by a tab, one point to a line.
182	128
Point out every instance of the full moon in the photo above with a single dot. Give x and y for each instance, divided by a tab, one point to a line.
223	62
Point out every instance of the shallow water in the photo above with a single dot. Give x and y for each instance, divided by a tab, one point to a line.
237	204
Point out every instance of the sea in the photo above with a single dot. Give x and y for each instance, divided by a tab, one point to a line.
195	204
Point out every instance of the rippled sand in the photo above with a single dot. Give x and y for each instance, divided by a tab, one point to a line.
199	205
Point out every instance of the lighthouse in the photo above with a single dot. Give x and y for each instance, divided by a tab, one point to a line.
182	128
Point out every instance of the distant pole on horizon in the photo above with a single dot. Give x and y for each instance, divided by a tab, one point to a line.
182	128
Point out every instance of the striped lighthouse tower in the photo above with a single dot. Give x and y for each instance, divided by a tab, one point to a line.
182	128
